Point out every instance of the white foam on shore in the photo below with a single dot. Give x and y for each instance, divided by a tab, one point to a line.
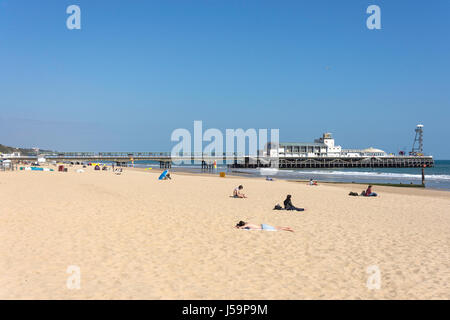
388	175
349	174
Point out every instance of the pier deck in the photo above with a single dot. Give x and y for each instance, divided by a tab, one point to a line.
342	162
238	161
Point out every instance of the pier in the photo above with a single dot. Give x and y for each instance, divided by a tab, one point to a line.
342	162
234	160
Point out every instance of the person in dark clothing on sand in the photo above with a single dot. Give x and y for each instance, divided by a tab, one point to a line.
289	206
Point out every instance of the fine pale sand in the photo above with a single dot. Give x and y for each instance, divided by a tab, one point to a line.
134	237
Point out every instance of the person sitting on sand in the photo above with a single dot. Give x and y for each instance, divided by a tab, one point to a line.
312	182
248	226
369	192
237	192
289	206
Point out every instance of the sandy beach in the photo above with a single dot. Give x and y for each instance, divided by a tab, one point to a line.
134	237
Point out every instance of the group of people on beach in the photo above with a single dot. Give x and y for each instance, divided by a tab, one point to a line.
237	193
288	205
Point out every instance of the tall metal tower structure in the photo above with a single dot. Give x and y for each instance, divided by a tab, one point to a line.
417	148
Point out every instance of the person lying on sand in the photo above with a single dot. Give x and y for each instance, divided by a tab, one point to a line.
249	226
237	192
289	206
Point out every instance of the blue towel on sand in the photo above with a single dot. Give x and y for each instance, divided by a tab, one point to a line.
163	175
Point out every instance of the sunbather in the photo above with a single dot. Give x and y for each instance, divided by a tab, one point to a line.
265	227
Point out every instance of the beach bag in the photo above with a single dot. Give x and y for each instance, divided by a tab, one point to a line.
353	194
278	207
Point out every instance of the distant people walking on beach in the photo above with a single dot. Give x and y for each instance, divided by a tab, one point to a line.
237	192
369	192
248	226
289	206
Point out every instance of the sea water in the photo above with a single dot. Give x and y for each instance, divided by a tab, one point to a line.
437	177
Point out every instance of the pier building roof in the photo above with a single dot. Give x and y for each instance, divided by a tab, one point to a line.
373	150
303	144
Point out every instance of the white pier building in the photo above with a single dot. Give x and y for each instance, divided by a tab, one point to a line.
322	147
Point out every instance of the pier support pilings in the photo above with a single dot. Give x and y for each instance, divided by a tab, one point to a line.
165	164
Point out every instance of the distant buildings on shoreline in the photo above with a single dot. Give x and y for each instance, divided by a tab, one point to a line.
10	155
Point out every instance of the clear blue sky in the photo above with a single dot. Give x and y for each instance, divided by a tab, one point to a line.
137	70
